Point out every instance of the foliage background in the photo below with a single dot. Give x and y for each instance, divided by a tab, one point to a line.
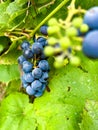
72	103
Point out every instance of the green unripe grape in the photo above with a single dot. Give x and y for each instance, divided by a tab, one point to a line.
75	61
52	22
49	50
53	30
71	32
77	22
58	62
84	28
52	41
65	42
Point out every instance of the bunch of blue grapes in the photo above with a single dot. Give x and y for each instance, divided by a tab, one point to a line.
35	67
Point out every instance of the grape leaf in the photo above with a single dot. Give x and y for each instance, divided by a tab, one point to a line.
90	116
9	72
21	2
16	113
13	86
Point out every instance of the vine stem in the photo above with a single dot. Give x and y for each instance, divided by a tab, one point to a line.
50	15
45	20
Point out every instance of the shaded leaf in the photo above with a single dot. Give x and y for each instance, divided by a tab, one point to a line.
90	116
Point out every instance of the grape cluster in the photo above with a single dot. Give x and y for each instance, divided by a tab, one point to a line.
35	67
66	38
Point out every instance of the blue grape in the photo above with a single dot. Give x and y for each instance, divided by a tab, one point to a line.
25	45
28	53
21	59
91	18
42	56
90	44
36	85
38	93
27	66
44	77
43	64
43	87
43	29
37	48
28	77
37	73
24	83
42	41
29	90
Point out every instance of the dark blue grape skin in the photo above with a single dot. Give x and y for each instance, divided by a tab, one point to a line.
37	73
91	18
44	77
28	53
43	29
44	65
36	85
42	41
43	57
37	48
30	91
38	93
25	45
24	83
90	44
21	59
27	66
28	77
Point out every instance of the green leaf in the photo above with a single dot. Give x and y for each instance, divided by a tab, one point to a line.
57	117
10	57
16	113
13	86
21	2
90	116
12	8
9	72
3	6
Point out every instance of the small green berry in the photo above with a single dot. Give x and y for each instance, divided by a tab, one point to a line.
48	50
84	28
52	22
71	32
65	42
77	22
52	41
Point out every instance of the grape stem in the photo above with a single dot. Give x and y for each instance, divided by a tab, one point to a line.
43	21
71	12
